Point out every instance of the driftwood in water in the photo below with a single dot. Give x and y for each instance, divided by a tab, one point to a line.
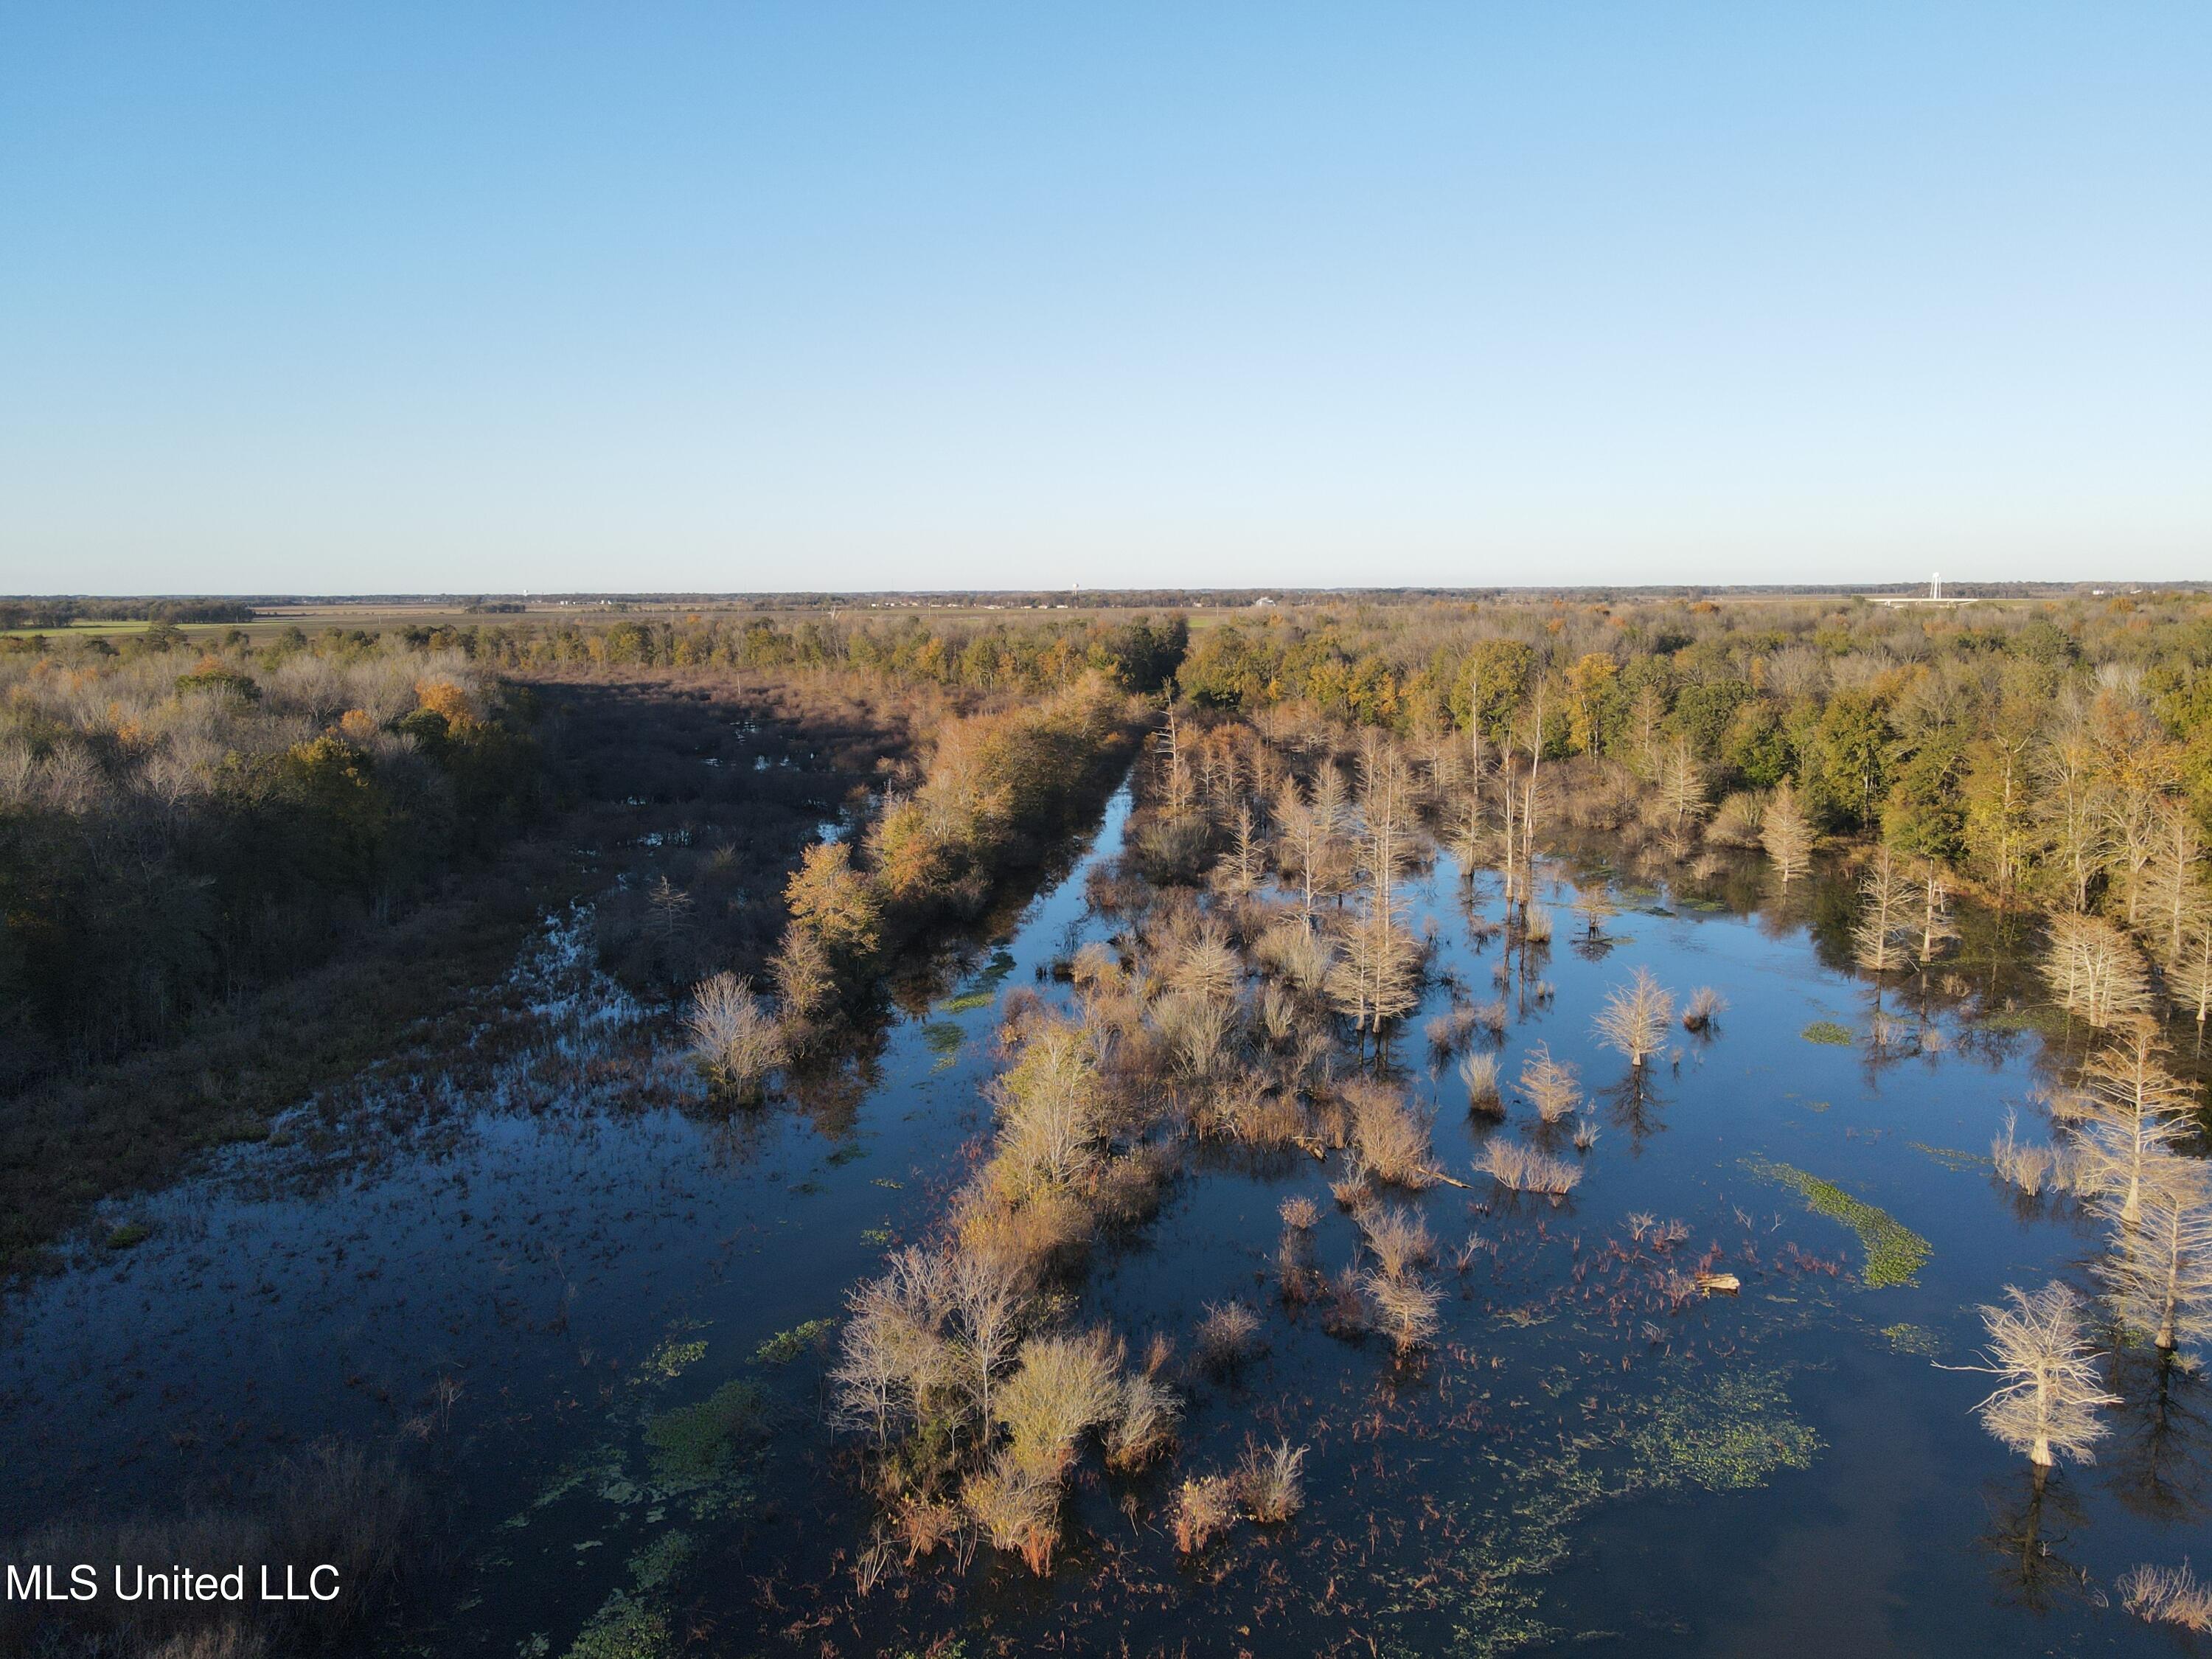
1718	1283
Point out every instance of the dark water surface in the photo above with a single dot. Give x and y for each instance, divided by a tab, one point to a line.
525	1265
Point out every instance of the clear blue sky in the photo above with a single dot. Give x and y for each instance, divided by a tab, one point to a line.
467	297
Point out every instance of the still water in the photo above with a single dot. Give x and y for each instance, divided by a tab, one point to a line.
583	1307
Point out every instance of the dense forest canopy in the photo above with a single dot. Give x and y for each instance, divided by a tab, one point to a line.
182	818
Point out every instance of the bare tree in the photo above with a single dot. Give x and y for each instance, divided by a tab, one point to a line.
2046	1403
1682	786
2139	1113
2094	971
1884	906
2174	903
1787	834
2072	825
734	1039
1938	928
1636	1017
2190	977
2159	1273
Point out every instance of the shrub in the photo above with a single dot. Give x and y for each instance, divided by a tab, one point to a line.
1552	1085
1144	1422
1525	1170
1205	1506
1017	1509
1404	1309
1031	1240
1270	1482
1391	1136
1344	1306
1398	1239
1065	1385
1296	954
1450	1032
1706	1005
1300	1213
735	1040
1227	1336
923	1525
1479	1073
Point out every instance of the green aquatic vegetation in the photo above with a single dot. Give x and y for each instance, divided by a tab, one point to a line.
1951	1158
622	1629
129	1236
1730	1432
597	1466
671	1360
1894	1252
844	1155
693	1449
967	1002
787	1346
876	1235
1828	1033
1915	1339
1728	1435
658	1562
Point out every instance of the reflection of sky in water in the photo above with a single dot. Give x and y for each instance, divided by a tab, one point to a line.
564	1212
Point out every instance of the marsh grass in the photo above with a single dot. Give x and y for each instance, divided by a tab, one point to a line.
1479	1073
1205	1508
1270	1482
2167	1595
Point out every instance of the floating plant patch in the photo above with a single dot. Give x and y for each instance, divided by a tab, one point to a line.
1828	1033
1894	1252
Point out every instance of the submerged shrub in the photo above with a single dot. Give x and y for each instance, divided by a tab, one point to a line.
1706	1005
1016	1509
1300	1213
2034	1169
1450	1032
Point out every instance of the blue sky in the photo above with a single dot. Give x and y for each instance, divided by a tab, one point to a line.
466	296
